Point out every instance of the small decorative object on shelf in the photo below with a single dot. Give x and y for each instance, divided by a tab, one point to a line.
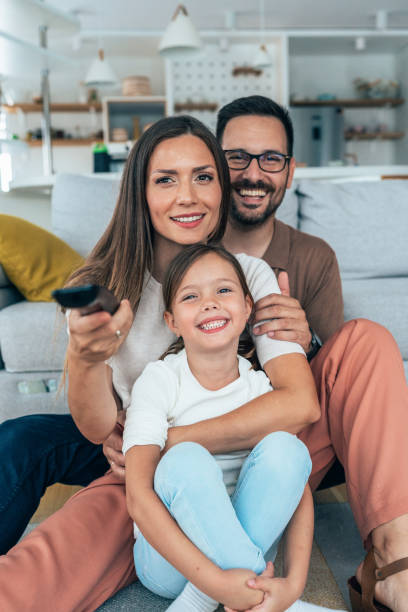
245	71
189	105
136	86
376	89
120	134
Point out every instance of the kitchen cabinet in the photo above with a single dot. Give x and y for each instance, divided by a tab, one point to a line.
130	115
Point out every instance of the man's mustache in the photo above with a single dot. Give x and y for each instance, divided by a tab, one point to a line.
246	184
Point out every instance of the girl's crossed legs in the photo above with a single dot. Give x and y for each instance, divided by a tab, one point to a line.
233	533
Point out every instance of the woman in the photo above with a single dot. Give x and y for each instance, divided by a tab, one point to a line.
174	192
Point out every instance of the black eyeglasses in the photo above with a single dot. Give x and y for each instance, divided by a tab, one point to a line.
268	161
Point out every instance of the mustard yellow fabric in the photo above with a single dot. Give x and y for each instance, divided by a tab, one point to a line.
34	260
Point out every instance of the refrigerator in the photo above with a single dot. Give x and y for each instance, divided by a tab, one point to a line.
319	134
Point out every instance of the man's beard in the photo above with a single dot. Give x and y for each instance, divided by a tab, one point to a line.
247	218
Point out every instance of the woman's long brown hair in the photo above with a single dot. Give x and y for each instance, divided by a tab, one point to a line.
124	254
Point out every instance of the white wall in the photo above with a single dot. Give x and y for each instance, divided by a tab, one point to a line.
311	75
65	87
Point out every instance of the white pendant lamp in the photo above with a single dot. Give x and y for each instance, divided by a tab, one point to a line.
180	37
100	74
262	58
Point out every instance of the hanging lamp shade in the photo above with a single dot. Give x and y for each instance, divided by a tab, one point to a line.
100	74
262	58
180	37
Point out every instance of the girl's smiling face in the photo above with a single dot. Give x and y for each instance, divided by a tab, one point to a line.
183	190
209	309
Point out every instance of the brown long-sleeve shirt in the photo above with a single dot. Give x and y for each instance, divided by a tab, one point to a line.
314	277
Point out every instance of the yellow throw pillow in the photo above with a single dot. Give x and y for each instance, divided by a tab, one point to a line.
35	260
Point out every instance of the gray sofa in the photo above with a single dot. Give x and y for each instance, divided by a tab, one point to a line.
365	223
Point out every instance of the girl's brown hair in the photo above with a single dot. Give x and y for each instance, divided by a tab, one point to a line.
172	280
124	254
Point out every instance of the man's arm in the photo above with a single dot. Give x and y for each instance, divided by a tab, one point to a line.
291	406
321	309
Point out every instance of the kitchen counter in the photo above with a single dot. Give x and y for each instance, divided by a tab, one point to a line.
41	183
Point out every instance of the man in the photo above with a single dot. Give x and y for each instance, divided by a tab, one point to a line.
364	399
259	186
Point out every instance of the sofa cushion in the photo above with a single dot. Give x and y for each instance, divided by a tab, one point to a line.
34	260
15	403
81	209
384	300
288	210
33	337
365	223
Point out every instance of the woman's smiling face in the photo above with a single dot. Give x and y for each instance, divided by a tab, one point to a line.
183	190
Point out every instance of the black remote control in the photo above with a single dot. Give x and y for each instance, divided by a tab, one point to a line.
88	298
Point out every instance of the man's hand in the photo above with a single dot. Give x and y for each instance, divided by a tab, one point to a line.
287	318
112	447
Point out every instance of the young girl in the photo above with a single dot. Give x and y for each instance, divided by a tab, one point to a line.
190	528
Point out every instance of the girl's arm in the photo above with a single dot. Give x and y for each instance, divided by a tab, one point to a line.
281	592
298	545
92	340
163	533
291	406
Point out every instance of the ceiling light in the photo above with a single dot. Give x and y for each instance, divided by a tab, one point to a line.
262	58
100	74
180	37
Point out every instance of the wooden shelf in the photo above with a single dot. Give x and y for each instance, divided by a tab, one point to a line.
64	142
352	102
374	135
56	107
199	106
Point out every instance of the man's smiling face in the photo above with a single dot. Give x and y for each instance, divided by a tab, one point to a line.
256	194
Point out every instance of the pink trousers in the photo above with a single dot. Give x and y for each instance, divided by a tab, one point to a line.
80	556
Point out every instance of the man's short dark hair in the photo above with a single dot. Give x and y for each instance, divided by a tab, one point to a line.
255	105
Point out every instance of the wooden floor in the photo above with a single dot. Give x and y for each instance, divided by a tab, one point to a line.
54	497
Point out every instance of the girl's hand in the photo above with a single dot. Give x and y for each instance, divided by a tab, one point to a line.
278	592
93	338
234	590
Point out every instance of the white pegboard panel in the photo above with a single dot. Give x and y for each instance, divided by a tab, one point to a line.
208	77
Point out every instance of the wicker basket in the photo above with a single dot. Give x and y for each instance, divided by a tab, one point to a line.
136	86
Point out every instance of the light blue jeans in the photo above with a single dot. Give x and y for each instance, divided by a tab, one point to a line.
233	532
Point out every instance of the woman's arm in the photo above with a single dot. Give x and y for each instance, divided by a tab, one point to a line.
291	406
92	340
163	533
